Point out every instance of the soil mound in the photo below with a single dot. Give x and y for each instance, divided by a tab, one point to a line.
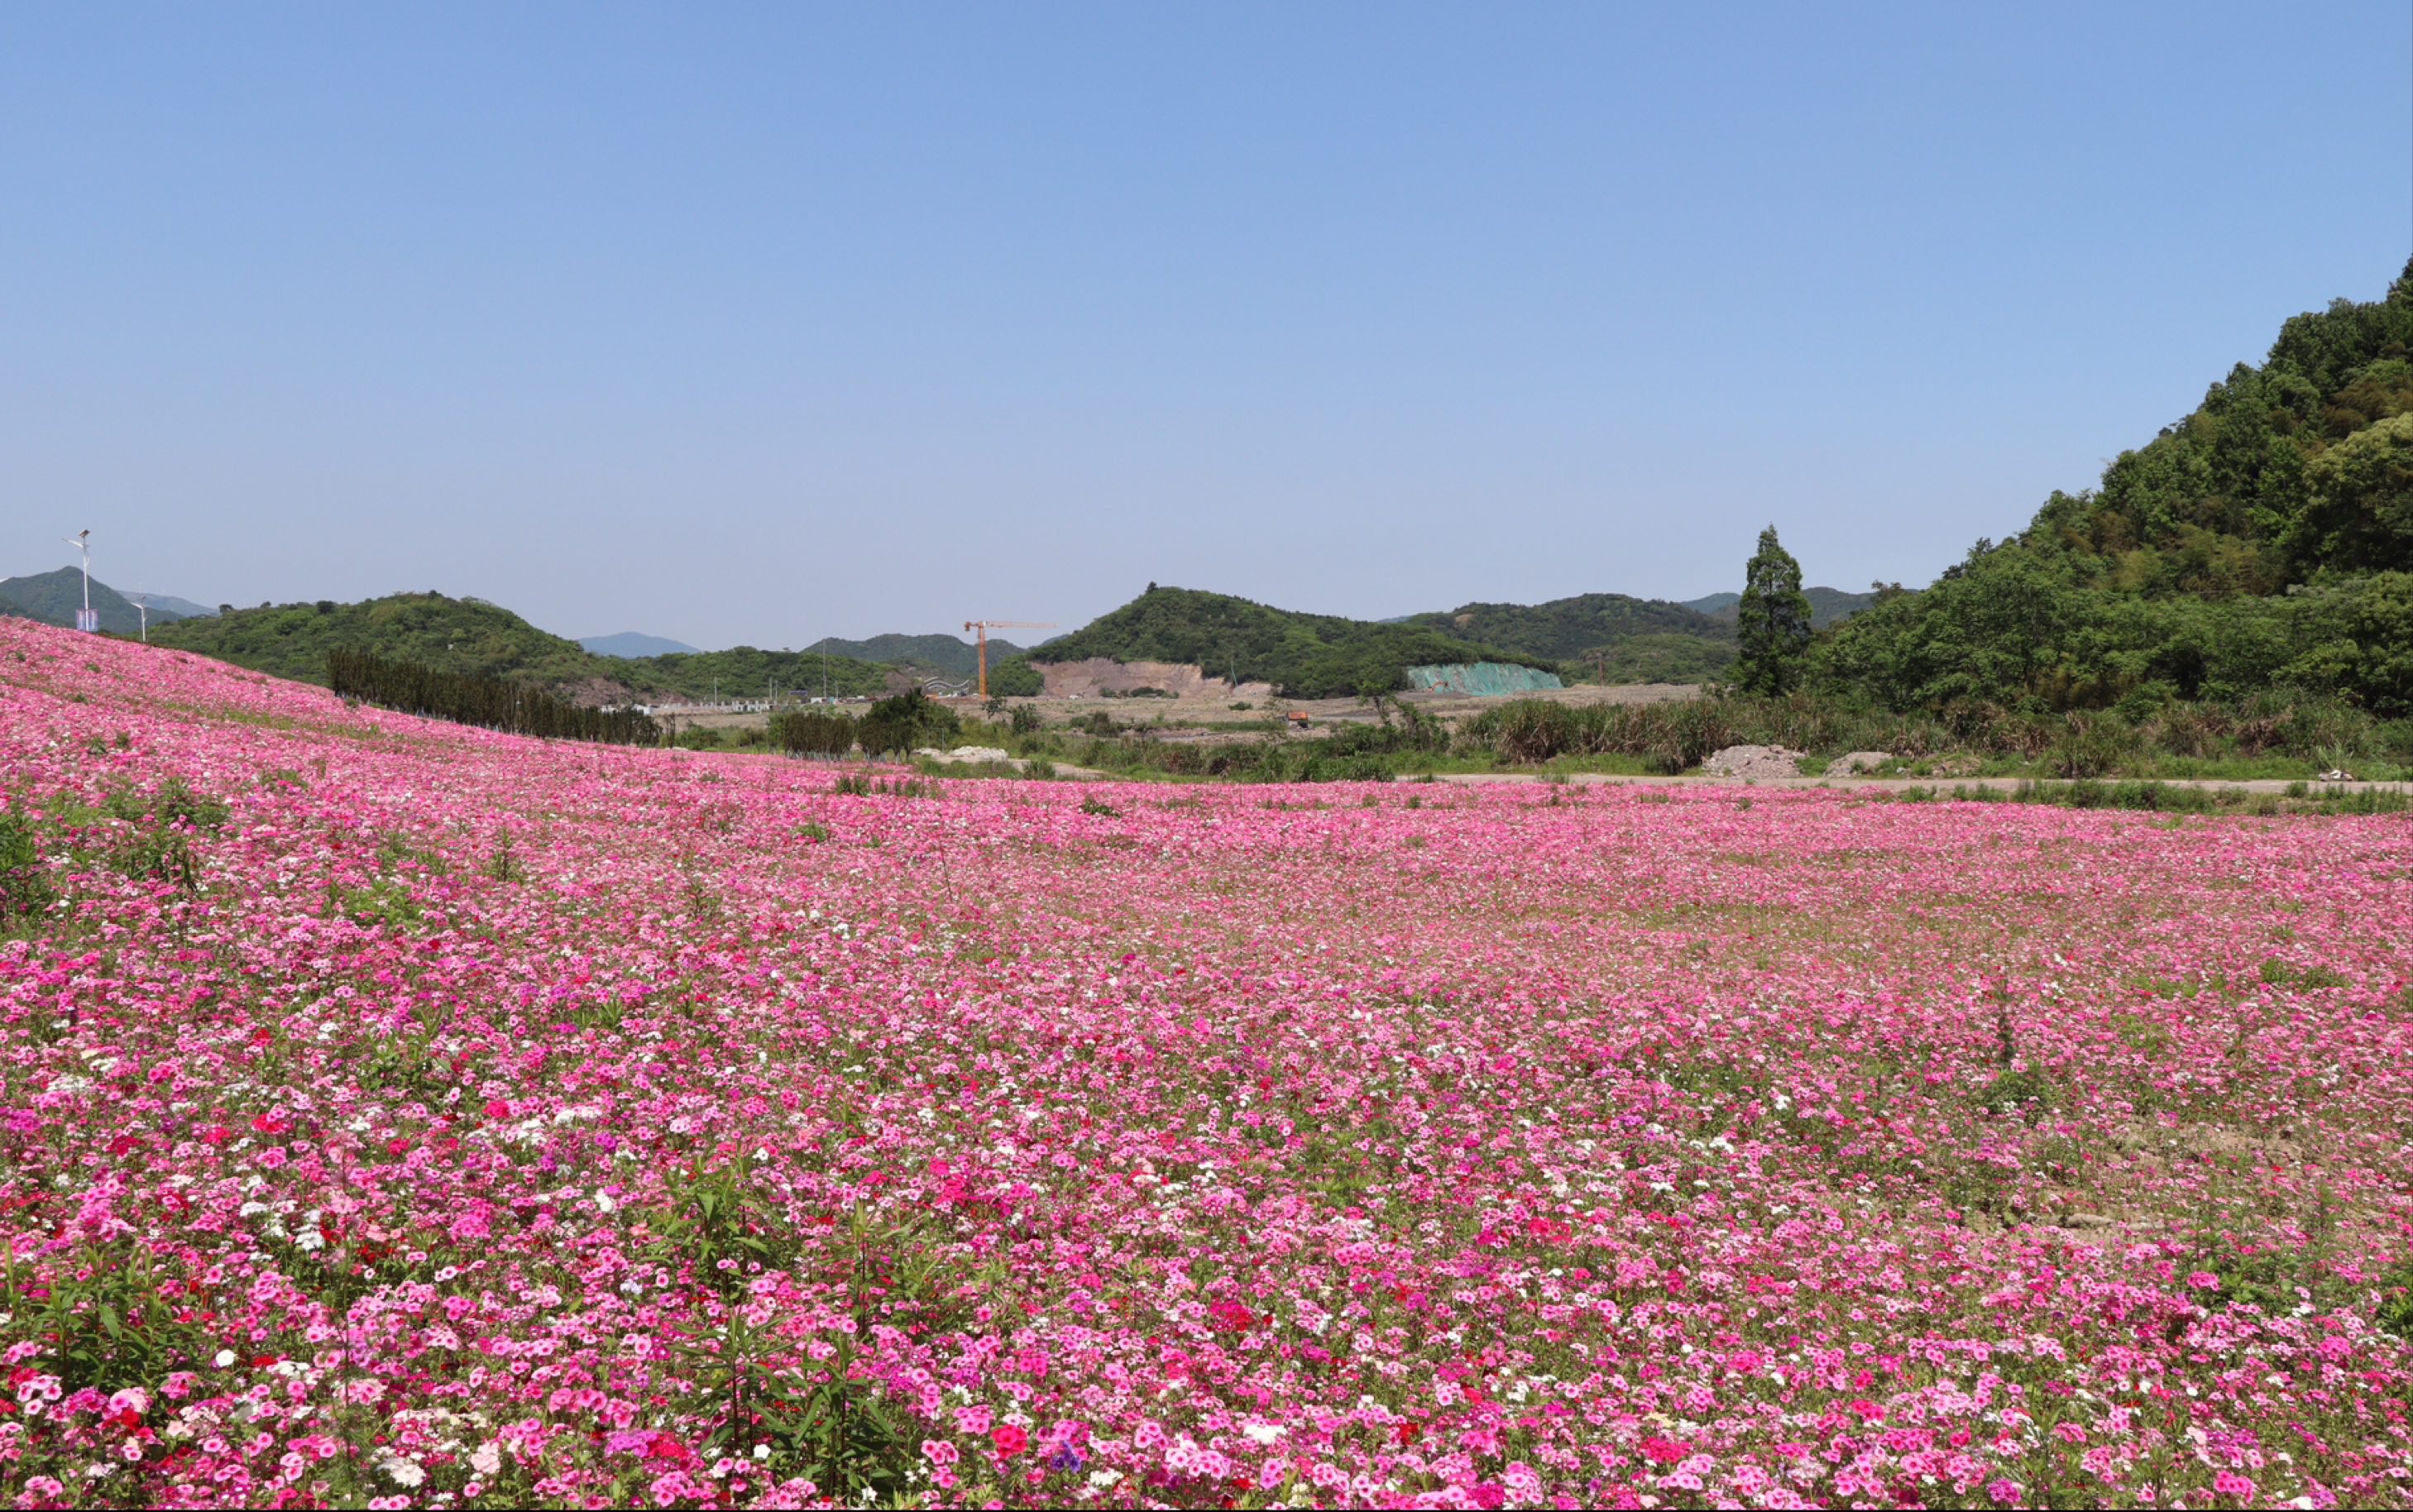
1754	761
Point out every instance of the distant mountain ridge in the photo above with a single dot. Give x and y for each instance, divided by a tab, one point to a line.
634	643
1828	606
53	599
181	608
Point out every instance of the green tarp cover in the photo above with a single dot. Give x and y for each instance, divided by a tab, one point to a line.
1483	678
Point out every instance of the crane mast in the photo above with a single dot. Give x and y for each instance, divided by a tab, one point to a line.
984	626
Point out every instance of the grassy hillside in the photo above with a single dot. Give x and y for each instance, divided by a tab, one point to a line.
53	599
2264	540
1305	656
471	636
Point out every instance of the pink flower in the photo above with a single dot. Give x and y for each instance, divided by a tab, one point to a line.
1219	1106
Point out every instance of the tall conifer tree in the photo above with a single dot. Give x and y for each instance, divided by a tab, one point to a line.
1772	621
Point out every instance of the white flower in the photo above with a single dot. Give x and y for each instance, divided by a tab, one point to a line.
487	1458
224	1357
404	1472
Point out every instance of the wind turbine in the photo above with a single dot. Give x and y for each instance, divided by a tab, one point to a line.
81	541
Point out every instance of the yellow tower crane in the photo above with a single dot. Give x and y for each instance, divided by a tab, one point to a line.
984	626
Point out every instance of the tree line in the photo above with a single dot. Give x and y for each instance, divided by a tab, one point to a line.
899	725
474	698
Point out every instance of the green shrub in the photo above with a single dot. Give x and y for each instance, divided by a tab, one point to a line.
905	723
2092	744
2394	1313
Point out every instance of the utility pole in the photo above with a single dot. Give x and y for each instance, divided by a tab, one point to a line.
86	620
142	605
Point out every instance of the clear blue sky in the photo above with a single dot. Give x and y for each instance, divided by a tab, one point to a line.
756	323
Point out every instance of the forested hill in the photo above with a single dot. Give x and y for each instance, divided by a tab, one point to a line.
469	635
2264	540
1595	636
1305	656
939	652
1565	628
457	636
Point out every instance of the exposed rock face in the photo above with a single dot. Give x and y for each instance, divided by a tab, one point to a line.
1754	761
1855	763
1101	674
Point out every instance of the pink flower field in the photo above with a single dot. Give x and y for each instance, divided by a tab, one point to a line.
402	1114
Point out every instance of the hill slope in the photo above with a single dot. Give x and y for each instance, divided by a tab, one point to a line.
2265	539
1305	656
